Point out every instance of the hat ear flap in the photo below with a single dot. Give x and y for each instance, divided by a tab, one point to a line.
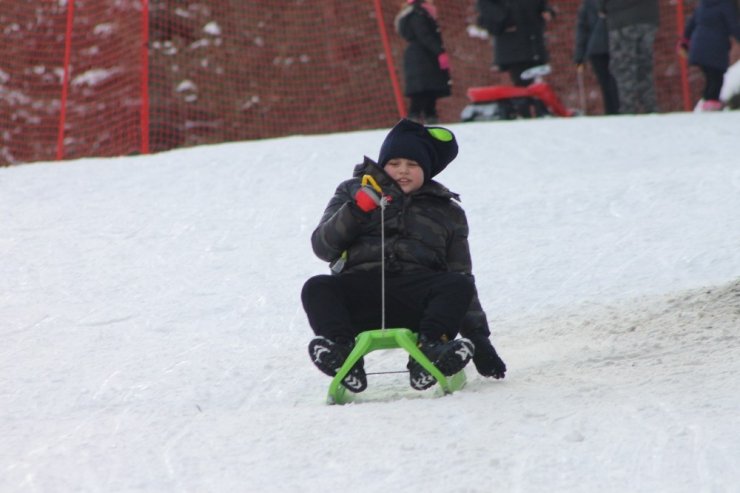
445	148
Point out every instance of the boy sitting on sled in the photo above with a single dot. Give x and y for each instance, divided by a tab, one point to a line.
429	287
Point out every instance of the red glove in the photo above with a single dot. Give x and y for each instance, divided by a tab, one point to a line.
367	199
444	61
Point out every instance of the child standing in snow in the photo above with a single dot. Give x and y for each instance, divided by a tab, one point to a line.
429	286
706	41
426	65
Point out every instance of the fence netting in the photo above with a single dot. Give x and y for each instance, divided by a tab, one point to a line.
85	78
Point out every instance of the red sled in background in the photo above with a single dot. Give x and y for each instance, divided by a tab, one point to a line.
510	102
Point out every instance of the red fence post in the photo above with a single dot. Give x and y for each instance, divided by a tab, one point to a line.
144	120
65	80
389	60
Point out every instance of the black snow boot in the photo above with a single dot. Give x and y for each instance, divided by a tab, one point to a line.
449	358
329	356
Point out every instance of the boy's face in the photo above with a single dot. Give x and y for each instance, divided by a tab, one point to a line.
407	173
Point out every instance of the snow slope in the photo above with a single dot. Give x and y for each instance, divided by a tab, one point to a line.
153	338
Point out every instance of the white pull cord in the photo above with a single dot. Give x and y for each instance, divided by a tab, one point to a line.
383	202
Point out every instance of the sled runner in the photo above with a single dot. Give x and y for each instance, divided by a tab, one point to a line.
372	340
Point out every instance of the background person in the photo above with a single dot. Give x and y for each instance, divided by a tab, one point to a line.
426	65
518	31
632	25
592	42
706	42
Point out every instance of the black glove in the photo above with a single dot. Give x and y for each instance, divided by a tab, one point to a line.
486	360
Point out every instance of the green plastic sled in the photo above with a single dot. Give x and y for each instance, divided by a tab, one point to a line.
372	340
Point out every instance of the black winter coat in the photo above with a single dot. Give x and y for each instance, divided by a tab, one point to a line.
518	30
592	38
420	65
425	231
709	29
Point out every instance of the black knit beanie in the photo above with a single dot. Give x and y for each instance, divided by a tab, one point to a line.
432	147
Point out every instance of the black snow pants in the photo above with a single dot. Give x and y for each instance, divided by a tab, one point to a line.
430	303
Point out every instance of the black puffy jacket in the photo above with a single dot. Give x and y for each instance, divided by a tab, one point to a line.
420	65
518	30
425	231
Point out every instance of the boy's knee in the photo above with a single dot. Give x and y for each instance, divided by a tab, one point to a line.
314	284
462	283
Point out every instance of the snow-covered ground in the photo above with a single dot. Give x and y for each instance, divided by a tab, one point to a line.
153	338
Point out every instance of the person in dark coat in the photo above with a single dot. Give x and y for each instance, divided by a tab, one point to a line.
592	42
518	31
632	26
707	40
426	64
429	286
